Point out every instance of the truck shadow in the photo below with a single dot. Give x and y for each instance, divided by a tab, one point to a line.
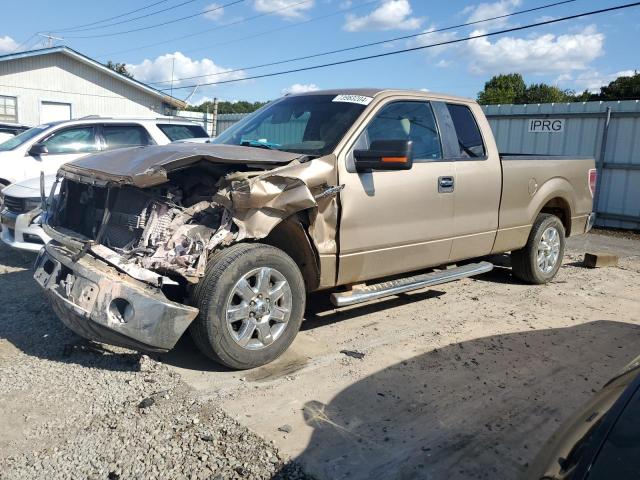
477	409
28	323
319	313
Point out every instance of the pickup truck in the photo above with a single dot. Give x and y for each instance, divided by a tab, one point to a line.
363	193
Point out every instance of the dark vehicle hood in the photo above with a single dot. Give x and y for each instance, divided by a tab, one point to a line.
148	166
574	446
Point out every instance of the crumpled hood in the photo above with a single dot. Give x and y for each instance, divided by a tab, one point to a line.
148	166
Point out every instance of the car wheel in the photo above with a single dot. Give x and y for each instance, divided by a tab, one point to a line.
251	302
540	259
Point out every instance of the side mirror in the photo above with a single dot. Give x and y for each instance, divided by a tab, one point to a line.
38	149
385	155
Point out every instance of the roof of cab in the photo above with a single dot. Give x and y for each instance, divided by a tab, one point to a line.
373	92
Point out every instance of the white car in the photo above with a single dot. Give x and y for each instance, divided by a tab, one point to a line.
46	147
9	130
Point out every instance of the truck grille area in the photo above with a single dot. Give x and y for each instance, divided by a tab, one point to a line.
155	228
81	208
15	205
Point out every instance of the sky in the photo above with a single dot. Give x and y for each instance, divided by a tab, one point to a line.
222	40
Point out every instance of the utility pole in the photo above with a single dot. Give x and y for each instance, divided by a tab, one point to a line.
214	133
50	38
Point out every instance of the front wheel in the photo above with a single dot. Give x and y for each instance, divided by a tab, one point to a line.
251	302
540	259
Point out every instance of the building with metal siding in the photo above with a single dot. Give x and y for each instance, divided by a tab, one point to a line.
58	83
607	131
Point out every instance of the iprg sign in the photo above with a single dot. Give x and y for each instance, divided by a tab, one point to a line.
546	125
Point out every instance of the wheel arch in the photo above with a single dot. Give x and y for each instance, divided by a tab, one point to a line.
559	207
556	196
292	237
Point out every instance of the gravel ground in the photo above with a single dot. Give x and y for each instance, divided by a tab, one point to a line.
74	409
467	380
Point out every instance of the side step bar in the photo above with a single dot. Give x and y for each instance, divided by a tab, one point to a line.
407	284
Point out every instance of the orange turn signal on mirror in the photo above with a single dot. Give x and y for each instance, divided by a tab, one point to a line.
394	159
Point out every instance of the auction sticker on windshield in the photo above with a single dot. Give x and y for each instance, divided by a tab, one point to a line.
359	99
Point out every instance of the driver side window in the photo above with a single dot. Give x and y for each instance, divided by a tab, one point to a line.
405	121
72	140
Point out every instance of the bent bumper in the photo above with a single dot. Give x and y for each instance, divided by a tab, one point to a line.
21	232
100	303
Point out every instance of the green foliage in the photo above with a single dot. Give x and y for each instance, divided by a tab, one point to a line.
503	89
543	93
622	88
511	89
121	68
228	107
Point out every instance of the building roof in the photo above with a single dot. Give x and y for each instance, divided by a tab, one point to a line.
99	66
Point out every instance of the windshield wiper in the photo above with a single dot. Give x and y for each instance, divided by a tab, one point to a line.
259	144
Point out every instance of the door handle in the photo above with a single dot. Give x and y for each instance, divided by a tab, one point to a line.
446	184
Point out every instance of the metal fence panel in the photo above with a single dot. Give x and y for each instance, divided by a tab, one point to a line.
225	120
584	128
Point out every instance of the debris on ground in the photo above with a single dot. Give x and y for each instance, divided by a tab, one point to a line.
285	428
600	259
353	354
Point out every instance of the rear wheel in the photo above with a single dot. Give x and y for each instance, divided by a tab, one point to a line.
540	259
251	302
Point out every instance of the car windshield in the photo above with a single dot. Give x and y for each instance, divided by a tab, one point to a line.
307	124
21	138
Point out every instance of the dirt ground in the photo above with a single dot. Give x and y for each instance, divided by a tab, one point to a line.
466	380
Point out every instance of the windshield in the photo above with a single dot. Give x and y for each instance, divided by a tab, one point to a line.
307	124
25	136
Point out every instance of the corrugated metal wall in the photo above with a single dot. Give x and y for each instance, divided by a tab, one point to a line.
618	199
225	120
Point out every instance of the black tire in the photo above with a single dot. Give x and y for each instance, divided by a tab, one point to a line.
210	330
524	264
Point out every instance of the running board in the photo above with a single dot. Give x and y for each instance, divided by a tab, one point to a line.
407	284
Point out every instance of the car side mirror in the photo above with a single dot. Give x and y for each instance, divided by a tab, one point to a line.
385	155
38	149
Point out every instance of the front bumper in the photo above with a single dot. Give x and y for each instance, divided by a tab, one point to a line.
102	304
19	231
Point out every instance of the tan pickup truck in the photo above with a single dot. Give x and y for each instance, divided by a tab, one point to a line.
357	192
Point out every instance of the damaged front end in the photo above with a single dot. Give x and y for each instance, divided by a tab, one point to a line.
130	244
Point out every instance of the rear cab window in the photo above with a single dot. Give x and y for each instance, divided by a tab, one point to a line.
181	132
470	142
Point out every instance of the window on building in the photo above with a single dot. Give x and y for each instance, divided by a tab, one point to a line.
8	109
119	136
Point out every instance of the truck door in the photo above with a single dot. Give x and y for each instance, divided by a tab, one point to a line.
478	181
396	221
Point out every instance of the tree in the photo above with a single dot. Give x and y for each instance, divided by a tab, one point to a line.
543	93
503	89
241	106
512	89
622	88
121	68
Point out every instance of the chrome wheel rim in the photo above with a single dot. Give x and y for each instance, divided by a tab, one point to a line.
548	250
258	308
